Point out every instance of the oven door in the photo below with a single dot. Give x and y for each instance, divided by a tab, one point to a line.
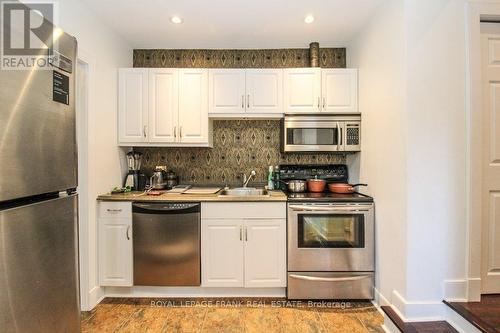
312	135
330	237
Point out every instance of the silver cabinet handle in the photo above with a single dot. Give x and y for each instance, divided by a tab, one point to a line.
241	233
180	132
128	228
333	279
246	234
248	101
324	103
113	210
319	103
144	128
242	101
175	131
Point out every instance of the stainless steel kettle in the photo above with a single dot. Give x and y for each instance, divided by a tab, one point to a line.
159	178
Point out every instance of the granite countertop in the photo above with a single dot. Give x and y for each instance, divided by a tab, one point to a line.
140	196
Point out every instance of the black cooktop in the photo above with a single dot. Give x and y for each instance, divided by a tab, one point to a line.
331	173
329	197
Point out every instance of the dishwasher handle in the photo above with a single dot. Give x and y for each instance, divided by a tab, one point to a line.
168	208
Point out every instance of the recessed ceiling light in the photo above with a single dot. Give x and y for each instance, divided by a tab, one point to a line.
309	19
176	20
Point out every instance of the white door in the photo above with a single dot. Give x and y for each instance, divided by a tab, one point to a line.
132	105
339	90
490	263
302	90
264	90
115	252
163	104
265	253
193	106
226	91
222	253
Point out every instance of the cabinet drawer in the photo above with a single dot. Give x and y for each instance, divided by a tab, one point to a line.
330	285
247	210
108	209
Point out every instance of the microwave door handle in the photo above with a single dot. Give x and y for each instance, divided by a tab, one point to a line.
324	279
338	136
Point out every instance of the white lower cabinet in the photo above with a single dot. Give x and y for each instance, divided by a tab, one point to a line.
243	245
222	253
115	244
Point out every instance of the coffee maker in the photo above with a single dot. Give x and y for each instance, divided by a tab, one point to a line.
135	179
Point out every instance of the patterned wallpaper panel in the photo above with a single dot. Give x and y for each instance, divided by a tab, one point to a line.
239	147
251	58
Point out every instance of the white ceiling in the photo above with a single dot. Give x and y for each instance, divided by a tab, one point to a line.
234	23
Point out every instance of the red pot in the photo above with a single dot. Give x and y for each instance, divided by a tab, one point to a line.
316	185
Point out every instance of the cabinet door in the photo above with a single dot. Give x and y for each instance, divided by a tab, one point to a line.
339	90
302	89
265	253
163	104
226	91
264	90
193	106
132	105
115	252
222	253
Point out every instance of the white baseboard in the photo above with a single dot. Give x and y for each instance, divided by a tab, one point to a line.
417	311
166	292
473	289
95	296
459	322
380	300
455	290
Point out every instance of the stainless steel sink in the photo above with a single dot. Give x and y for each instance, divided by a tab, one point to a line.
244	192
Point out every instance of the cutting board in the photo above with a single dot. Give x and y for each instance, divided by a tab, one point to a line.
202	190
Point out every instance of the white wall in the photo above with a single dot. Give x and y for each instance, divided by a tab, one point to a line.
411	59
435	48
378	53
105	51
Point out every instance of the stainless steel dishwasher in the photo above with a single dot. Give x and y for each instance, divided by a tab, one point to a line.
166	244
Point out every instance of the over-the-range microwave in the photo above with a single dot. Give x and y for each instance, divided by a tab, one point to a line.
321	133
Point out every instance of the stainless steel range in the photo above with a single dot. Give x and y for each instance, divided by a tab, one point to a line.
331	242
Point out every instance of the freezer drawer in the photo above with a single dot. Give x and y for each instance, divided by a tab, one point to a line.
38	265
330	285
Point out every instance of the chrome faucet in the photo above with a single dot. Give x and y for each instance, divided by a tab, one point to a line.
247	180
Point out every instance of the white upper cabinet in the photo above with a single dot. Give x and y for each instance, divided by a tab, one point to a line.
133	105
226	91
193	106
163	107
163	104
302	90
264	90
339	90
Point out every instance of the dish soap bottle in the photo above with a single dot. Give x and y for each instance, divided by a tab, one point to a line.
270	182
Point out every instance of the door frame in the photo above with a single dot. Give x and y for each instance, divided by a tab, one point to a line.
477	10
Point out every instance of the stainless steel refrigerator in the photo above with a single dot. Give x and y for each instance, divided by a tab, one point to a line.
38	202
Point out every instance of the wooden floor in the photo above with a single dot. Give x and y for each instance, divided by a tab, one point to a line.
235	315
485	315
418	327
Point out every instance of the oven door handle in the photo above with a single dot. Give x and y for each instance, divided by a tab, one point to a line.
328	209
332	279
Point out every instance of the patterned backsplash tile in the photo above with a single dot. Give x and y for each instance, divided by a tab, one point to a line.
251	58
239	147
